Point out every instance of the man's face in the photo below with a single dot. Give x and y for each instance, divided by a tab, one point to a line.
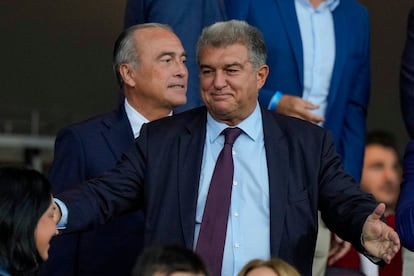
228	82
381	174
161	77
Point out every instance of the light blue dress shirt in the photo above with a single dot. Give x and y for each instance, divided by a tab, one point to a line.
248	229
318	43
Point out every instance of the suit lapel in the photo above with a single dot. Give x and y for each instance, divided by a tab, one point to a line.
287	12
117	132
341	37
191	146
277	155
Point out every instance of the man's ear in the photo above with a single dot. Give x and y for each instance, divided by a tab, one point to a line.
262	74
127	74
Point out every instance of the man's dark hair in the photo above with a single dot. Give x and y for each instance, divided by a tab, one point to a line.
382	138
168	259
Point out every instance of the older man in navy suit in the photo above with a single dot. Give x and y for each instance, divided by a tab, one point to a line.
285	169
149	66
187	18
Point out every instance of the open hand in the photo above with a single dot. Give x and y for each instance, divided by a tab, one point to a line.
379	239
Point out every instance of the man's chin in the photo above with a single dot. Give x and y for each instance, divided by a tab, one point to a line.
177	103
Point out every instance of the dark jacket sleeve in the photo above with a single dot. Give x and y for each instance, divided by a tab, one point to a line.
404	219
407	77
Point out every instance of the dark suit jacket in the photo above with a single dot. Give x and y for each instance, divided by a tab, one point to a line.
407	77
404	217
350	84
187	18
84	151
163	170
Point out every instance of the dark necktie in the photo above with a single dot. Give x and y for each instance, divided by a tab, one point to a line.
210	244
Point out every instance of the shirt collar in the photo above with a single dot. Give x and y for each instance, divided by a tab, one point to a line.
326	4
136	119
248	125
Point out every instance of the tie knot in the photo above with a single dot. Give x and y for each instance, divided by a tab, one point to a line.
231	134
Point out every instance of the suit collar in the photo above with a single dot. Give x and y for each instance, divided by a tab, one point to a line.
135	118
277	155
341	37
287	13
191	145
117	131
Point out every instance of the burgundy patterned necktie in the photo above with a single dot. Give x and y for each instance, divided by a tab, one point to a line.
210	244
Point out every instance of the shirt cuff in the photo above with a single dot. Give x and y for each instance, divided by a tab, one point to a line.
370	257
275	100
64	211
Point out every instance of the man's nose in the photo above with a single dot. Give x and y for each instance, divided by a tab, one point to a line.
182	70
220	80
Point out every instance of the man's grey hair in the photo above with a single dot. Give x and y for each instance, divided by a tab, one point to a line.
125	48
226	33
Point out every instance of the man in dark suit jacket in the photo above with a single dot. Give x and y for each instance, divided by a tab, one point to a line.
407	77
404	221
187	18
154	79
285	27
292	167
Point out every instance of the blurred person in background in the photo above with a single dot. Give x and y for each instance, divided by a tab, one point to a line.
381	176
272	267
27	221
169	260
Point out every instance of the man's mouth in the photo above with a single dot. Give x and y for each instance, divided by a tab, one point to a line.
182	86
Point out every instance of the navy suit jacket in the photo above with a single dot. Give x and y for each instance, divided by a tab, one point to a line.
162	171
187	18
350	84
407	77
84	151
404	217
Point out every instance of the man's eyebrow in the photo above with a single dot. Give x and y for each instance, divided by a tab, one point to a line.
171	54
233	64
224	66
